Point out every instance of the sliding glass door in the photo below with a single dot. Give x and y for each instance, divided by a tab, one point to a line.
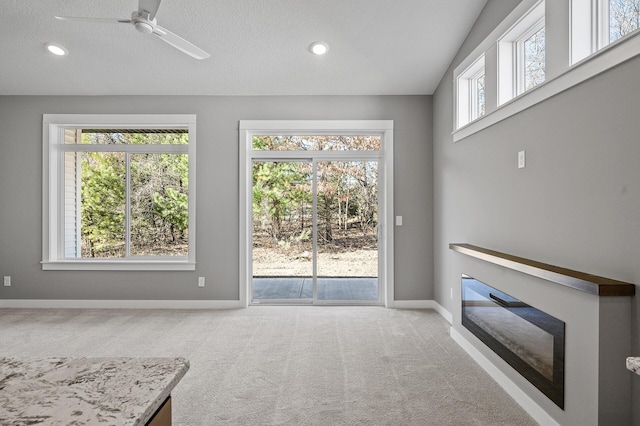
315	231
315	202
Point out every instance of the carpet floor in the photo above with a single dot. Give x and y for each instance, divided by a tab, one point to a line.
285	365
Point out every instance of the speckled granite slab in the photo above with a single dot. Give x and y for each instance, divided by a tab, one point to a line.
633	364
85	391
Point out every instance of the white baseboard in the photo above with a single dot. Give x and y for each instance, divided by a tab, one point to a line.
528	404
423	304
120	304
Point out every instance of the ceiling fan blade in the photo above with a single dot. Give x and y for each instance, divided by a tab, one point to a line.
95	20
180	43
150	6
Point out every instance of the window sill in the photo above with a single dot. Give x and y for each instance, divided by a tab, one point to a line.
109	265
595	64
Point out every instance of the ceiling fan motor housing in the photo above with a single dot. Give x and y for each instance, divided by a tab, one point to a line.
142	22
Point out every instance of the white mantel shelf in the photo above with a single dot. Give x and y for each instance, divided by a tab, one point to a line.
86	391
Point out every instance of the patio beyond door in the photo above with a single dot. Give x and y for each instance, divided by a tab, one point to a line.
315	231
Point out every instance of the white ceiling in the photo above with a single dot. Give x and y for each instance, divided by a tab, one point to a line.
257	47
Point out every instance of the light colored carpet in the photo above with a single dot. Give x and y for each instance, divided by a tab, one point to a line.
285	365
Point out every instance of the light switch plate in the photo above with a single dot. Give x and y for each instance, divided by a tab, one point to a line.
522	160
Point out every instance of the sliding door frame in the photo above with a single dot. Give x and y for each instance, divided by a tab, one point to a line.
384	157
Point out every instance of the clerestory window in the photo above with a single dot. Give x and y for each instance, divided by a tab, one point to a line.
596	24
471	93
119	192
522	55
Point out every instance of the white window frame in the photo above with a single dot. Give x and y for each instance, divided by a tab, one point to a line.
521	77
590	28
466	94
383	128
511	53
54	125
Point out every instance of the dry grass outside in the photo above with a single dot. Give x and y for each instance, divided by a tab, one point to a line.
350	254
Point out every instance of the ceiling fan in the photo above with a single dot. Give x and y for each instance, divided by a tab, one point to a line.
144	19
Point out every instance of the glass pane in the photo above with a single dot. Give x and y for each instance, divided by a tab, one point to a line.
347	230
534	59
282	230
102	206
159	204
126	136
315	143
480	103
624	18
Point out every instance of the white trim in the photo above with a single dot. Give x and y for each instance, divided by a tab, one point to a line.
528	404
413	304
53	126
131	121
311	127
424	304
384	128
109	265
119	304
443	312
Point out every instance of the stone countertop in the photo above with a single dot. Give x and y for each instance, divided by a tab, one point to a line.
85	391
633	364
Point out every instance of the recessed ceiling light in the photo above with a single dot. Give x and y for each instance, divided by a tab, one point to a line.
56	49
319	48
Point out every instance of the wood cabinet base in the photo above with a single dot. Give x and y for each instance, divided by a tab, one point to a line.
162	417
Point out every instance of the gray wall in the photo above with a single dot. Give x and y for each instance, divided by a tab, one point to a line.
217	192
577	202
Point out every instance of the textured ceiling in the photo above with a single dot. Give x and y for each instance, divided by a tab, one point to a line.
257	47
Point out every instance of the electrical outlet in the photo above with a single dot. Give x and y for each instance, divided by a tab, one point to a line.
7	281
451	293
200	281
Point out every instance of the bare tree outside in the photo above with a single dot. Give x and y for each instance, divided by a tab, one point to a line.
534	59
480	99
624	18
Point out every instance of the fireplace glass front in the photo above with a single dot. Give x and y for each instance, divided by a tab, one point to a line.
529	340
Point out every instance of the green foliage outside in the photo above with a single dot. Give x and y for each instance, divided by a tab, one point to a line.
158	196
282	191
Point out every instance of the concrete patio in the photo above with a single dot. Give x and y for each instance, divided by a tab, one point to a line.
291	288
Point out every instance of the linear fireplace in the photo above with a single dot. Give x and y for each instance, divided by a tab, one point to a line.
529	340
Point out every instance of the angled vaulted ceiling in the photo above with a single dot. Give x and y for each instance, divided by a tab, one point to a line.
257	47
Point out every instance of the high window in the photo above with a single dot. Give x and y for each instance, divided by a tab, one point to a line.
596	24
120	192
531	57
521	55
471	93
535	52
